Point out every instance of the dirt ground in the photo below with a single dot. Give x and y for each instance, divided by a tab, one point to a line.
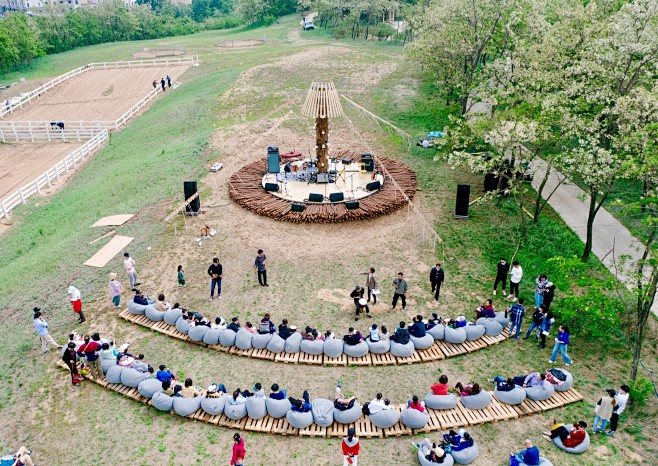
95	95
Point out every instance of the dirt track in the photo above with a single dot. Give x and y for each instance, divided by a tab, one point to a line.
96	95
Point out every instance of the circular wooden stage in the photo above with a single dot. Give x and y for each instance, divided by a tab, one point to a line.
245	188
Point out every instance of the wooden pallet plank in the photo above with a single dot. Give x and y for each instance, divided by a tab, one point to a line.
362	361
365	428
287	358
313	430
338	430
339	361
312	359
263	425
433	353
282	427
386	359
414	358
263	353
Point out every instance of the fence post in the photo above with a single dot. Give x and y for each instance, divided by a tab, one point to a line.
57	171
66	166
4	209
50	185
20	193
36	185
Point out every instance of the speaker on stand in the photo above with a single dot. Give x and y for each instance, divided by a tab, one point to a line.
189	190
461	204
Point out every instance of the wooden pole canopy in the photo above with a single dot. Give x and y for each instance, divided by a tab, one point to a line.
322	101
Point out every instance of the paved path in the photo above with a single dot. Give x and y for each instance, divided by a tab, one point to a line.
609	233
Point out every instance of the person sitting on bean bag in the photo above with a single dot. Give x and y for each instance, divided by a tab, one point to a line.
440	388
258	391
383	334
417	329
215	390
415	404
401	334
219	323
250	327
266	325
503	385
234	325
377	404
329	335
277	394
529	456
140	298
340	402
164	374
374	334
551	378
166	387
468	389
189	390
193	314
436	453
162	305
307	334
433	322
570	437
458	441
457	322
177	391
237	398
301	406
125	358
352	338
486	310
108	351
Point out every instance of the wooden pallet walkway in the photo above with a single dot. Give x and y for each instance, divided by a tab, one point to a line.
440	420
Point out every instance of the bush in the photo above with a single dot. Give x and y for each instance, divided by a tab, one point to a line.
221	22
641	390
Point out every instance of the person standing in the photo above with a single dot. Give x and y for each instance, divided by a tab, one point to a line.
162	83
356	294
129	265
540	289
350	447
561	343
547	321
502	269
115	289
239	451
400	285
537	320
549	294
516	274
436	279
168	81
76	302
603	411
516	313
41	326
181	277
371	284
260	268
90	351
215	273
621	398
70	357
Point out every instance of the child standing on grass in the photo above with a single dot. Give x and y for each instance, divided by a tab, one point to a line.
181	276
115	289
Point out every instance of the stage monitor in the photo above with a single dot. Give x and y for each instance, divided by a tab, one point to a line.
271	187
336	197
313	197
374	186
297	207
352	205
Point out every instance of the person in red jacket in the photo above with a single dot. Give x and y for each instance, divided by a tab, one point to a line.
350	448
441	388
570	438
238	451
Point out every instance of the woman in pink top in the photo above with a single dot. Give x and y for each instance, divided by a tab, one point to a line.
238	451
115	290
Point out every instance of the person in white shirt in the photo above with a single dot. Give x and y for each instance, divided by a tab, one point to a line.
129	265
516	273
621	398
377	404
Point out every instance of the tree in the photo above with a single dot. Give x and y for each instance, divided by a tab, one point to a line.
252	11
24	44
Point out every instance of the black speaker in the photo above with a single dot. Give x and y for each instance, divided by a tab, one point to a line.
273	150
190	189
374	186
490	182
313	197
336	197
352	205
271	187
368	161
461	205
347	161
296	207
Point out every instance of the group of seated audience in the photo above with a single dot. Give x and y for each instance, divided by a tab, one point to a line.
452	441
535	379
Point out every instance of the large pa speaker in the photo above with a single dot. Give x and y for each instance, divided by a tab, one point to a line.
313	197
374	186
461	205
368	161
273	163
297	207
490	182
347	161
336	197
271	187
190	189
352	205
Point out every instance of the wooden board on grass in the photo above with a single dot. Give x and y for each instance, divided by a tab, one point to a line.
113	220
107	252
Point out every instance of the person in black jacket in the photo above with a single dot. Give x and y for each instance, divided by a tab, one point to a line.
502	269
417	329
549	294
215	273
401	334
70	358
436	279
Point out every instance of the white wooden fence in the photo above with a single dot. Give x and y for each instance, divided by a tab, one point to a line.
42	131
54	174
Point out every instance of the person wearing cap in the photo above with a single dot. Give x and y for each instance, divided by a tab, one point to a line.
603	411
215	272
400	285
41	326
239	451
76	302
129	266
435	454
361	306
529	455
356	295
115	289
621	399
436	280
350	446
140	298
260	269
417	329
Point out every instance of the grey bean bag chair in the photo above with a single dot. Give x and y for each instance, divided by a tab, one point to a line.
107	363
256	407
299	420
333	347
235	412
473	332
312	347
378	347
402	351
172	315
567	384
540	392
423	342
433	401
135	308
467	455
348	416
214	406
276	344
243	339
293	342
500	317
131	377
455	335
581	448
423	451
149	387
211	337
438	332
479	401
492	326
261	341
186	406
227	338
542	462
154	314
277	408
414	418
385	418
197	332
323	412
356	351
514	397
113	374
183	325
162	401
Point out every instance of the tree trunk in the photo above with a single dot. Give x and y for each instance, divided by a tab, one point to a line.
540	190
590	225
321	140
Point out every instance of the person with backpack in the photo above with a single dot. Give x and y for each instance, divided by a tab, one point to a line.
266	325
350	446
239	451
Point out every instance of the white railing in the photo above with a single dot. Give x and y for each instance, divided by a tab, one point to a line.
146	62
38	131
54	173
